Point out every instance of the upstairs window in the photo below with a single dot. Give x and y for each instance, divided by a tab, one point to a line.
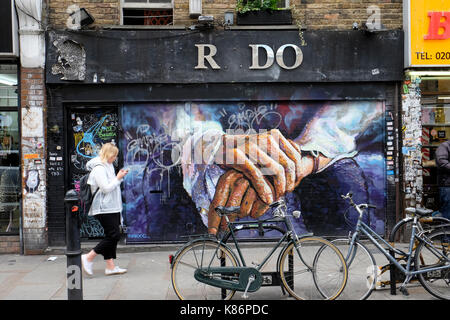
280	4
283	4
147	12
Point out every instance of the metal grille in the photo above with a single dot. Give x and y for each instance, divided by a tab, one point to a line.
148	17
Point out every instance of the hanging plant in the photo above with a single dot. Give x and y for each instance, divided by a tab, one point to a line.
262	12
244	6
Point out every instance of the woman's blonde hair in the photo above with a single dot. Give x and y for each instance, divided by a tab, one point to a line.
108	150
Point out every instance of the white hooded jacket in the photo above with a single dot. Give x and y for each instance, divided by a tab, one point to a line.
108	198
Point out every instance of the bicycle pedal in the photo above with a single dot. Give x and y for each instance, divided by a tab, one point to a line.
250	280
404	291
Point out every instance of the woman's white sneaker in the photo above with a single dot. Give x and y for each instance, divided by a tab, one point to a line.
87	266
116	270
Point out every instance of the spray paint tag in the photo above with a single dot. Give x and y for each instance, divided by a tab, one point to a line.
405	89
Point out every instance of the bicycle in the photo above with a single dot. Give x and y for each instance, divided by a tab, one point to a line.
308	267
427	256
427	222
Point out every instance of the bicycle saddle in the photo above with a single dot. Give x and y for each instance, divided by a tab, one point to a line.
223	211
420	211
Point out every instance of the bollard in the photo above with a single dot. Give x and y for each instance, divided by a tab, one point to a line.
73	247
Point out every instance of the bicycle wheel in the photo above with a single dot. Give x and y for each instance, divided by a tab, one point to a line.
401	231
435	254
319	272
362	270
201	253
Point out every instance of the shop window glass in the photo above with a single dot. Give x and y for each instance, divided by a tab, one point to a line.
435	102
9	151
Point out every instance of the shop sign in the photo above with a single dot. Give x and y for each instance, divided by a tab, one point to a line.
427	27
223	56
255	64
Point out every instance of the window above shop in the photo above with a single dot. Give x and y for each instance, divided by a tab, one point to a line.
147	12
280	4
263	12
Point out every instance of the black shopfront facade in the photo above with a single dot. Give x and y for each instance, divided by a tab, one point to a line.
157	93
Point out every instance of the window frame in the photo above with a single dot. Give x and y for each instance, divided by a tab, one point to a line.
145	5
16	109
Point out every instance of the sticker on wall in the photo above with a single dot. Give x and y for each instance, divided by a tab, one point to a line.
32	181
33	213
32	122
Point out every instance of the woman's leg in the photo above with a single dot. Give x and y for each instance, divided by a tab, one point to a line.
107	247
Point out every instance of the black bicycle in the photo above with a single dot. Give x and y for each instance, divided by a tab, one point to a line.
308	267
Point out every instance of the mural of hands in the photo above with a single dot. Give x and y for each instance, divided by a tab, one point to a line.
201	156
261	168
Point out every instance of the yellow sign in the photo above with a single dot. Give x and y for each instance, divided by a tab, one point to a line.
429	32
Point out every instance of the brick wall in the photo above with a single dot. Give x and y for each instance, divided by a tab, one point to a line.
9	244
104	11
33	104
340	14
312	14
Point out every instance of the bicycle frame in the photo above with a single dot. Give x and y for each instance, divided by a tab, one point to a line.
225	267
289	236
363	228
254	274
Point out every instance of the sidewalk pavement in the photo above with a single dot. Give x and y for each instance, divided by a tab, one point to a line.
43	277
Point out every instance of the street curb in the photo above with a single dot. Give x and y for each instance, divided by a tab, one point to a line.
121	248
155	247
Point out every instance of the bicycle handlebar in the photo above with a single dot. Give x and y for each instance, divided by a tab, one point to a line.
349	196
277	203
279	207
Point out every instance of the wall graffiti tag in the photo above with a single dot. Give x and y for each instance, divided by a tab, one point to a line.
90	128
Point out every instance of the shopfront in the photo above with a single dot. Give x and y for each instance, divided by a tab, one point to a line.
9	151
171	99
426	97
10	188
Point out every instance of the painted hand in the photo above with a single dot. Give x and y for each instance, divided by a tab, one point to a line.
262	169
260	156
234	189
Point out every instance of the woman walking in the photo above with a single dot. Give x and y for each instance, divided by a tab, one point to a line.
106	207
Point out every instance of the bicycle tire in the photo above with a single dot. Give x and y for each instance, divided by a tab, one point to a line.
435	282
321	271
362	270
199	254
427	223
